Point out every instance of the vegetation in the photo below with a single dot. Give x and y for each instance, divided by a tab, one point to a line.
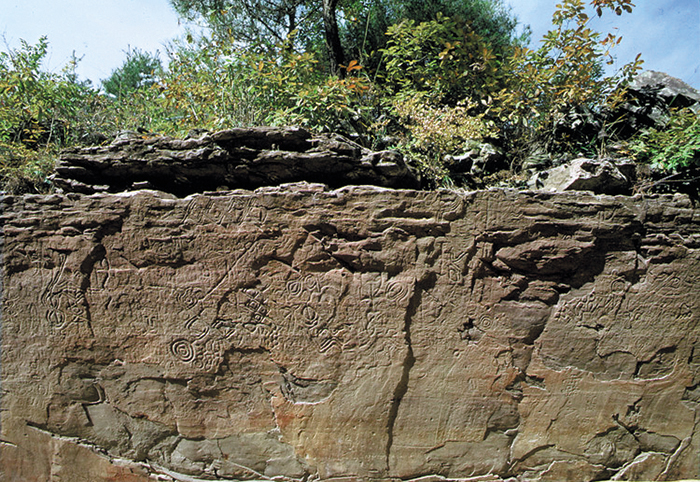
267	24
140	69
674	148
429	78
673	152
366	34
564	74
40	112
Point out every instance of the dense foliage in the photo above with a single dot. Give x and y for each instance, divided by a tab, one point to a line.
564	74
365	35
676	147
39	112
432	79
140	69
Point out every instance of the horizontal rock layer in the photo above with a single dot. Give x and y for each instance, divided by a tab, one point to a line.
231	159
358	334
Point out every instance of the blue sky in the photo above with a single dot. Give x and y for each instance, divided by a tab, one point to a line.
666	32
99	31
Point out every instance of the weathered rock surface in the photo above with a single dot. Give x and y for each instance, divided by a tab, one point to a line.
673	92
650	98
601	176
648	103
356	334
231	159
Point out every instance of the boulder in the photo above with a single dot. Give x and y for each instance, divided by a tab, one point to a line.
671	91
604	176
649	100
470	167
230	159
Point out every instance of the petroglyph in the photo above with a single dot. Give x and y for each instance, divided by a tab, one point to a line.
298	333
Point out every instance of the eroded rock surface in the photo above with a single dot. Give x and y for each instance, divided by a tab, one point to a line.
362	333
245	158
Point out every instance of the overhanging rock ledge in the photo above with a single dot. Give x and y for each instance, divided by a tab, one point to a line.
245	158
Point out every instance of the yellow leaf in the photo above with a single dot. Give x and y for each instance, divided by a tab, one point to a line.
353	65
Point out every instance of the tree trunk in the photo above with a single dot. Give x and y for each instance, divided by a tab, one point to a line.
336	56
289	40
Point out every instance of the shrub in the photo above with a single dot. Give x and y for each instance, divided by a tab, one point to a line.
437	80
673	148
438	130
39	108
443	57
565	73
39	113
24	170
311	99
216	83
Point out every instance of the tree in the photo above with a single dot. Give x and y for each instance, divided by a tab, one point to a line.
269	23
336	55
255	22
315	25
491	20
138	70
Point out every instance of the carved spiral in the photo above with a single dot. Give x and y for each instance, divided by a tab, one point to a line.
189	296
398	292
485	323
183	350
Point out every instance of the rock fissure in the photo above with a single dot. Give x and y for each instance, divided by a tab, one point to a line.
524	457
408	362
673	459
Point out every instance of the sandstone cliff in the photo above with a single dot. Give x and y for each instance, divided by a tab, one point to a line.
297	333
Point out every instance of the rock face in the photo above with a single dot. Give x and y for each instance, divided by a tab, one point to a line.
358	334
672	92
235	158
